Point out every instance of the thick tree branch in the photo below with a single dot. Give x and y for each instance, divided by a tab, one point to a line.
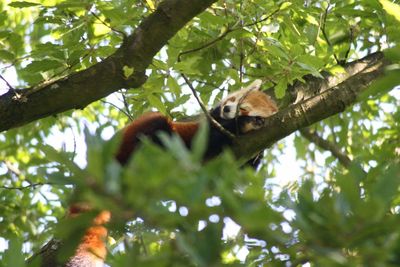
82	88
329	102
313	137
313	86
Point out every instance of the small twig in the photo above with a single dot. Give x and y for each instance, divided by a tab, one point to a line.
323	24
351	38
326	145
108	26
23	187
53	79
225	10
15	61
231	65
17	96
264	19
14	170
207	83
120	109
143	245
126	105
254	48
228	30
74	140
73	64
204	109
241	53
241	59
321	18
325	16
9	85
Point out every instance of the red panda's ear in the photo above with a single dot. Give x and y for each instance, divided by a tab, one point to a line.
255	85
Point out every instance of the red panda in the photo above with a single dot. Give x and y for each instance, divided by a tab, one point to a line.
238	113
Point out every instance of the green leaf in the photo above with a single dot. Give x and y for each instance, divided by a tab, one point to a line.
175	145
60	157
280	88
43	65
212	18
391	8
382	85
387	185
5	34
6	55
310	69
276	50
23	4
285	5
151	4
393	53
100	156
128	71
200	141
189	66
157	103
337	69
173	86
13	256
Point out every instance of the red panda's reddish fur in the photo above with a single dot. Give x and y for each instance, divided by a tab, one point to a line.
92	249
145	125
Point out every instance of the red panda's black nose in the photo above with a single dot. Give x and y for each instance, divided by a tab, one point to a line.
226	109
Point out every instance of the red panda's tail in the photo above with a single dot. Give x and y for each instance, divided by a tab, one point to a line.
92	250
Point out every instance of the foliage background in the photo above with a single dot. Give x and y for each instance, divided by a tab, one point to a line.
330	214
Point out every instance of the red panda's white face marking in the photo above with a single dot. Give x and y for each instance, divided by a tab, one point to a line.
248	101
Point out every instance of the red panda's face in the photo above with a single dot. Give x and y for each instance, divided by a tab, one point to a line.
248	102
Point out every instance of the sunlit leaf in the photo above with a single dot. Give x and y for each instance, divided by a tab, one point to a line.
22	4
391	8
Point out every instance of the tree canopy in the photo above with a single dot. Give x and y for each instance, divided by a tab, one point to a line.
73	73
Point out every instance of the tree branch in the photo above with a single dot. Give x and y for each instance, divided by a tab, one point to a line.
313	137
23	187
313	86
82	88
321	106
